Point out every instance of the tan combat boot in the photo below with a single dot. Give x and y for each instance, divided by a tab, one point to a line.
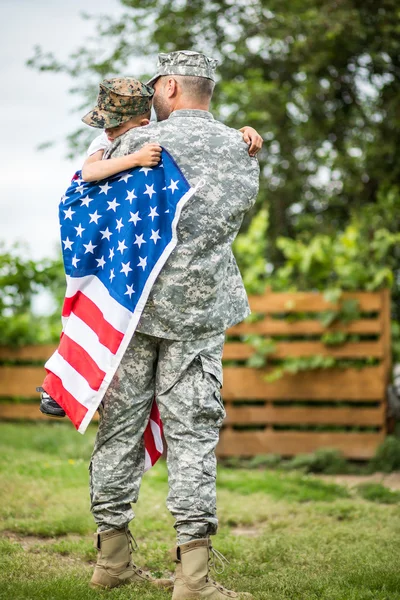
114	565
191	575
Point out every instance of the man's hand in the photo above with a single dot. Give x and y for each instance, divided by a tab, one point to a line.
253	139
149	155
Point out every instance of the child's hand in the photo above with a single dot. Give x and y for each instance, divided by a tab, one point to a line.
149	155
253	139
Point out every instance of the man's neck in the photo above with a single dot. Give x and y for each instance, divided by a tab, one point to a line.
187	104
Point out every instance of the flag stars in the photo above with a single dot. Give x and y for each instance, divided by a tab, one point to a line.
89	248
125	177
145	170
111	274
131	196
134	218
79	230
68	213
79	189
112	253
121	246
153	212
113	205
126	268
119	224
94	217
142	262
104	188
150	190
100	262
173	186
154	236
67	244
139	240
75	261
106	234
86	201
129	291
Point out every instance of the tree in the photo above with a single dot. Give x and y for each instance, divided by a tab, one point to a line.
320	79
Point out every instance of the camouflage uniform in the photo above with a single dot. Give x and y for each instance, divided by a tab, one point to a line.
177	352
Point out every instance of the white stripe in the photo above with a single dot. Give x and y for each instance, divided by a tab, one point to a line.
155	429
73	381
85	337
147	461
91	286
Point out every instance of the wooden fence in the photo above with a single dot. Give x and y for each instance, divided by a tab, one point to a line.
343	408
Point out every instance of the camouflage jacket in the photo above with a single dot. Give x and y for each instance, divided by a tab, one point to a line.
200	290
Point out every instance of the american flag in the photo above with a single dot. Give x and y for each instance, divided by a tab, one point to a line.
116	236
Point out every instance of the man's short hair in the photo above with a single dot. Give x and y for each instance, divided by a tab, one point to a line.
198	87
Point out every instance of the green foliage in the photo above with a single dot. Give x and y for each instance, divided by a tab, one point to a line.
326	460
333	338
21	279
250	252
376	492
387	457
294	364
263	347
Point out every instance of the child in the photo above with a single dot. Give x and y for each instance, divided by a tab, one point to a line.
122	104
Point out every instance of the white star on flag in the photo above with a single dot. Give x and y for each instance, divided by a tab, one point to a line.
79	230
131	196
67	244
104	188
126	268
80	188
173	185
89	247
150	190
121	246
106	234
119	224
113	205
134	217
75	261
139	240
111	253
142	262
86	201
63	198
154	236
111	275
125	177
145	170
94	217
129	291
100	262
153	213
69	213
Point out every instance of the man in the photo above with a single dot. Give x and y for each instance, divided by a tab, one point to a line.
176	352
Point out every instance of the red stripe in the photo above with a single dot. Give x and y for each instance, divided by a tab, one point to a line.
54	387
150	445
81	361
81	306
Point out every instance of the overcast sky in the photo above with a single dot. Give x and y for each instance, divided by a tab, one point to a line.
36	107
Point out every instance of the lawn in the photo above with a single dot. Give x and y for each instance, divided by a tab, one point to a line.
287	536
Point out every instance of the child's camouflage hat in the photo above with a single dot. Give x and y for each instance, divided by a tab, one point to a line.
185	62
119	100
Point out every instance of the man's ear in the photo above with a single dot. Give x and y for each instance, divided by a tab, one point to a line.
144	122
171	88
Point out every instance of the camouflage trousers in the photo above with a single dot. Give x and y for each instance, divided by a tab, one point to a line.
185	377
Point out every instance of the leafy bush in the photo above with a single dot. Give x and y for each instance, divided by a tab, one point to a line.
387	457
325	460
376	492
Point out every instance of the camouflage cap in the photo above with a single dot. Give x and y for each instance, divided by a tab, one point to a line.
185	62
119	100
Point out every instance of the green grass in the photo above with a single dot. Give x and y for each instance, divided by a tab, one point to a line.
288	536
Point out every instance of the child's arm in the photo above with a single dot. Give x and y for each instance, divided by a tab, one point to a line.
94	168
253	139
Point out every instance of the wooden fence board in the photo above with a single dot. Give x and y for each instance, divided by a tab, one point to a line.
20	381
271	327
287	302
32	353
31	412
289	443
323	384
242	351
296	415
